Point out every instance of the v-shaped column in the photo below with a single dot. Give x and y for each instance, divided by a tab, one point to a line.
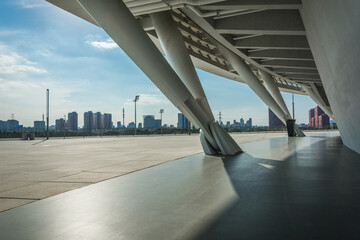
116	19
275	92
254	83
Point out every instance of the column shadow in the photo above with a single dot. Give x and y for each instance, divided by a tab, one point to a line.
312	194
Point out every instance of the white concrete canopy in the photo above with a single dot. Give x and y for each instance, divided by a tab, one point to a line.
309	47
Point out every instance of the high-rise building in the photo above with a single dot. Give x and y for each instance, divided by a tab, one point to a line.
11	124
107	123
157	123
2	125
249	123
318	118
183	122
131	125
312	117
39	125
242	122
60	124
73	121
88	121
98	121
118	124
149	121
274	121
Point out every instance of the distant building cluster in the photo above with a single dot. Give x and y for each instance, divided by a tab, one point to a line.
94	121
240	125
71	124
318	118
10	124
151	123
274	121
97	121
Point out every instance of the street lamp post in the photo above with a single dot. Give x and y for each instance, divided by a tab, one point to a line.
135	100
161	113
47	113
293	106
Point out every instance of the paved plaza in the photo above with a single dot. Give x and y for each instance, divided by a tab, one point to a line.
279	188
33	170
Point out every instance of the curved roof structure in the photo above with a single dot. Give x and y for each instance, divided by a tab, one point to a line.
268	34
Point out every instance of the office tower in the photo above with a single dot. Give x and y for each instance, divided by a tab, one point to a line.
73	121
274	121
60	124
312	117
118	124
98	121
318	118
11	124
2	125
183	122
249	123
242	122
39	125
131	125
88	121
157	123
107	121
149	121
140	125
323	121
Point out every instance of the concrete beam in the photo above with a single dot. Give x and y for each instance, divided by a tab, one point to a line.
273	42
304	55
295	71
303	76
273	22
253	4
290	64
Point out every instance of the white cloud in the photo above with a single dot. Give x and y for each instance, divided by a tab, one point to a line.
9	32
12	63
32	3
108	44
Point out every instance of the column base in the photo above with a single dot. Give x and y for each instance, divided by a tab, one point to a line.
290	125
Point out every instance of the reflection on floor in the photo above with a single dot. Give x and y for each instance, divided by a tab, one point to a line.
298	188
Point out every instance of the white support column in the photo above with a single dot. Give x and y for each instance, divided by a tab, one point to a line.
274	91
177	54
254	83
116	19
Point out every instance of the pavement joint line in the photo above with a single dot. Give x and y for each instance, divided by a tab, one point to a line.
35	199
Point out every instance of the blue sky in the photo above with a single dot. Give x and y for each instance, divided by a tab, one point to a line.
42	46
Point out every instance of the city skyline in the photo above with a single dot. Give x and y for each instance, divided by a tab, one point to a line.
76	124
89	71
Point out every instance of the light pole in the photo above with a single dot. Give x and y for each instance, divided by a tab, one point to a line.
135	100
64	125
161	113
123	119
293	106
47	113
